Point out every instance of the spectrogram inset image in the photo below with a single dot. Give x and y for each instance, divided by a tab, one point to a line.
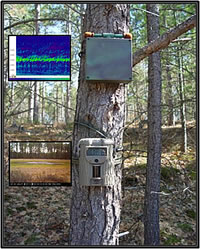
40	57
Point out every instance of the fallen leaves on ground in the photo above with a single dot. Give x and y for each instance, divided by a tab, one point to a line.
40	215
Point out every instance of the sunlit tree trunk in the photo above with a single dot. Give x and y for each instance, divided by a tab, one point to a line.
29	102
181	94
68	102
43	103
182	101
170	120
57	106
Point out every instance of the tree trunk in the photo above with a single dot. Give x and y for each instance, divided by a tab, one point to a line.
35	105
43	102
37	16
151	205
181	94
57	106
170	120
68	104
95	211
12	99
29	102
169	97
182	101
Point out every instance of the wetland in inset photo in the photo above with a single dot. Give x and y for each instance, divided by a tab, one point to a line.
40	162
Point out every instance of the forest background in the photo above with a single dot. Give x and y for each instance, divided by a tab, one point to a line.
35	110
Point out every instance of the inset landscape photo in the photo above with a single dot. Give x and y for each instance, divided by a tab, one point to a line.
40	163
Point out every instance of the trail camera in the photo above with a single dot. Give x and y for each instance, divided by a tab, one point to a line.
108	58
96	162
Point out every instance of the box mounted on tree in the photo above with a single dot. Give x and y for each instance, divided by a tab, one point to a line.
108	58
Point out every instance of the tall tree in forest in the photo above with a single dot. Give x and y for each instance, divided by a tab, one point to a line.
151	207
95	211
170	120
43	101
29	119
182	98
57	101
169	91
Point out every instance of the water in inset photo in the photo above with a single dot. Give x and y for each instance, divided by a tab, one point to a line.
40	162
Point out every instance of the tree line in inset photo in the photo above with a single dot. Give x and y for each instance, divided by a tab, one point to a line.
40	150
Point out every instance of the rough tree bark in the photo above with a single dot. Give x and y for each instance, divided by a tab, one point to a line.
95	211
151	205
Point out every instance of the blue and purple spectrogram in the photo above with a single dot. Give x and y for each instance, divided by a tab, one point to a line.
40	57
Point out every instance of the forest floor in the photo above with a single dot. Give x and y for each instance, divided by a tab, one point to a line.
39	216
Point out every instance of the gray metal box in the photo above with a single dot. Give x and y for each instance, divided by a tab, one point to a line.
108	60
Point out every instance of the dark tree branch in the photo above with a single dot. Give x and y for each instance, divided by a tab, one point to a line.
75	10
51	100
29	91
34	20
164	40
17	113
22	99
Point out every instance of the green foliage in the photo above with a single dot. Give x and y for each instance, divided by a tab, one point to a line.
171	240
167	173
7	197
191	213
138	25
185	227
31	240
31	205
193	175
9	211
20	209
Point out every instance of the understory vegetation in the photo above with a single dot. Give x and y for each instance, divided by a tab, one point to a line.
46	210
